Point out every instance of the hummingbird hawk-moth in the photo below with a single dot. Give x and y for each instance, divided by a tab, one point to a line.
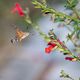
19	35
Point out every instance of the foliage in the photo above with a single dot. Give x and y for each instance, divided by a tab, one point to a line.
63	74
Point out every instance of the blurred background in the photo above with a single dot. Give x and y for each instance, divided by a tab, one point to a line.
27	60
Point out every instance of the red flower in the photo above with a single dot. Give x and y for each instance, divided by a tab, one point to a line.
50	47
52	44
70	59
18	8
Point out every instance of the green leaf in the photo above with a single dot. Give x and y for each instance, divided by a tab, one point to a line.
70	4
58	19
64	75
38	4
28	20
78	34
46	38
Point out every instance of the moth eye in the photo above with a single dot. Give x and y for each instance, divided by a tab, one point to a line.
12	41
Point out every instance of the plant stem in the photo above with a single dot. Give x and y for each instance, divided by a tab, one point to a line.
60	45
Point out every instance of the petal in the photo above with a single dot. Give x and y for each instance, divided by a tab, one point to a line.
53	44
49	49
14	10
70	59
18	9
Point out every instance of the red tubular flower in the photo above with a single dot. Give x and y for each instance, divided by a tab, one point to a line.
70	59
52	44
50	47
18	9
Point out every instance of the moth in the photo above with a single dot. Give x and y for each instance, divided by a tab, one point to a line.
19	35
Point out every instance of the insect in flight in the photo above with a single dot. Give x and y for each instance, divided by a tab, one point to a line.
19	35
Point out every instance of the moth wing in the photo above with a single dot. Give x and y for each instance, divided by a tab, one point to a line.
24	35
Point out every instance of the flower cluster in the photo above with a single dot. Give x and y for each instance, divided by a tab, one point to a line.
52	45
55	43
